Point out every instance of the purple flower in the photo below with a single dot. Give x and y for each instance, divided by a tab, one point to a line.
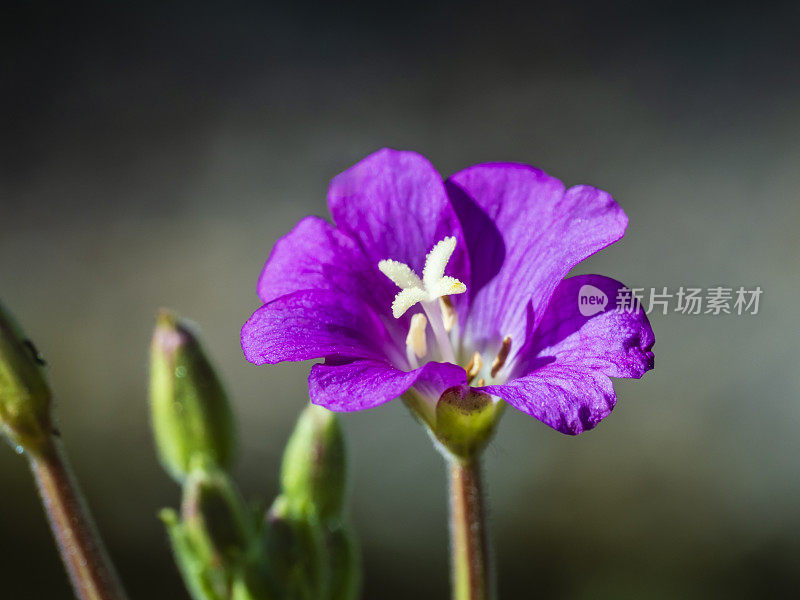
423	284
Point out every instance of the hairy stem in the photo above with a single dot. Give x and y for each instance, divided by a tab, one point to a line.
89	568
468	546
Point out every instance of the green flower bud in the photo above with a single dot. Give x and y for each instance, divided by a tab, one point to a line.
296	551
217	522
313	472
345	563
189	408
25	395
466	420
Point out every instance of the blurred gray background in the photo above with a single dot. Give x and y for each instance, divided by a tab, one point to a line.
151	153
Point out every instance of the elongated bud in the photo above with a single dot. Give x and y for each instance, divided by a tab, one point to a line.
216	519
296	551
313	472
345	563
189	408
25	395
466	420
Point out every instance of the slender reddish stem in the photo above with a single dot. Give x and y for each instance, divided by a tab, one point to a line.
87	563
469	547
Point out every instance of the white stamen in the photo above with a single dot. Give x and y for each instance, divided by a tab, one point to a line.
416	340
434	283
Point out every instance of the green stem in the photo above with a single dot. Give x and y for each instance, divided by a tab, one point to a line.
468	548
89	568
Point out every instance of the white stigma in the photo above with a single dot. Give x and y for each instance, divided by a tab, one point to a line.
434	283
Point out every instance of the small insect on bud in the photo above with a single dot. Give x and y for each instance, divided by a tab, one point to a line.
215	518
189	408
25	395
465	420
313	472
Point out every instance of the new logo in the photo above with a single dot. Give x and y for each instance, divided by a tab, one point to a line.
591	300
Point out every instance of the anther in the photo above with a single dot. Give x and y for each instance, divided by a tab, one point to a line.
474	366
502	355
481	382
415	340
449	316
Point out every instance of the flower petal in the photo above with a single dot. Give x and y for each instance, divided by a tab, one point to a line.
615	342
394	203
315	255
312	324
362	384
524	233
570	399
567	363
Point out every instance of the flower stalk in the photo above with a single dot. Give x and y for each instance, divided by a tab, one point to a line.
463	424
26	420
468	538
89	568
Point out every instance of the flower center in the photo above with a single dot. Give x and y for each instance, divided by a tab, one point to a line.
434	285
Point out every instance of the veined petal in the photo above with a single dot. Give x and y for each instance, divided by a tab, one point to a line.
313	324
394	204
361	384
567	363
314	255
570	399
524	233
617	343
